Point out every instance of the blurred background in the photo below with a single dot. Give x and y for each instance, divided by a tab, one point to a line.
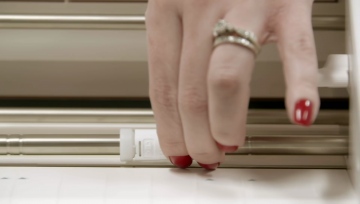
93	53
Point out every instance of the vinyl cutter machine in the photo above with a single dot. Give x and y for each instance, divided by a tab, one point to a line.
76	125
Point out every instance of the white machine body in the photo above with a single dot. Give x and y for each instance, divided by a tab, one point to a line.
81	44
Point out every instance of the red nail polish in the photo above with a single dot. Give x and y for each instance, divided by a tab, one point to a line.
227	149
181	161
209	166
303	112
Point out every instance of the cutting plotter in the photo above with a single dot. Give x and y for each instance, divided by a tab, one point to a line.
76	125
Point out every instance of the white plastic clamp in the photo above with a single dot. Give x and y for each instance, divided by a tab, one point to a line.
140	145
334	74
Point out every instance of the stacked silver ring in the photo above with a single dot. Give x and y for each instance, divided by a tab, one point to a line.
226	33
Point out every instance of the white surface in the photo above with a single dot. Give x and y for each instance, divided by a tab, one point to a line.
353	46
162	185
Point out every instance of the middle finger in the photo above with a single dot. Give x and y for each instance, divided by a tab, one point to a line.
193	99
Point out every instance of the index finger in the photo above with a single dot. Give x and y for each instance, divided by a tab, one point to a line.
298	52
164	46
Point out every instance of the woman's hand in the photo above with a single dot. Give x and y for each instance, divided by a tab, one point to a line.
200	94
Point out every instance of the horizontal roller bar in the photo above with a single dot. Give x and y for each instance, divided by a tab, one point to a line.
110	145
101	145
231	161
145	1
329	117
73	19
125	22
25	129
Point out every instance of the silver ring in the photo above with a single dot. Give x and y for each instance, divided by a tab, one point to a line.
237	40
222	28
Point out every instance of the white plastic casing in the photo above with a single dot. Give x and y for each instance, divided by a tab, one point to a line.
140	145
127	144
334	74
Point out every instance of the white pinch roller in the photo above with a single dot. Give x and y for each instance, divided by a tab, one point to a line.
335	73
142	147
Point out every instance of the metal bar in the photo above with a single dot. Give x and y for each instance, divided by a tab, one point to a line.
231	161
71	19
127	22
145	1
325	117
295	145
328	22
110	145
124	1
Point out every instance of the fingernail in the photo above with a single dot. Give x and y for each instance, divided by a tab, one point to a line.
227	149
303	112
209	166
181	161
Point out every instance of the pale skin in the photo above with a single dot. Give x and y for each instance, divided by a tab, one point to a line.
199	93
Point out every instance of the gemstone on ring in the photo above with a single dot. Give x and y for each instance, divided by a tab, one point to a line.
220	28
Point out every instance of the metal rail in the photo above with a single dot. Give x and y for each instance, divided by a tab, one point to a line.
89	137
110	145
43	115
120	22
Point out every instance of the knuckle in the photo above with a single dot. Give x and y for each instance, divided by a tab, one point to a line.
305	45
164	96
193	101
225	82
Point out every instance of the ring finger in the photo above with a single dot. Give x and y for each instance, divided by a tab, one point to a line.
229	79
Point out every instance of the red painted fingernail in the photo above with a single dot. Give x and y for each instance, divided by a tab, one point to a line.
227	149
209	166
181	161
303	112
